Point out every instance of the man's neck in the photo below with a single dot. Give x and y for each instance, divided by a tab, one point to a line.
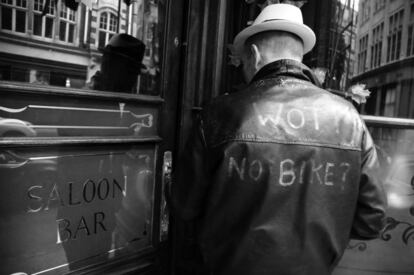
286	67
268	60
273	58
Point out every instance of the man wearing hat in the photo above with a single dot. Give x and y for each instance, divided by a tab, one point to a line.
121	64
279	176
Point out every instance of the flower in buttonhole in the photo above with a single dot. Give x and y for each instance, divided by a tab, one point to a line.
358	93
320	74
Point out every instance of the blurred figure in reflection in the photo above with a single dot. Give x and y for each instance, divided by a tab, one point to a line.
133	219
87	200
40	78
95	220
94	82
121	64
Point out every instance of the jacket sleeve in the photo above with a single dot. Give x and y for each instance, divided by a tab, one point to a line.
369	217
191	178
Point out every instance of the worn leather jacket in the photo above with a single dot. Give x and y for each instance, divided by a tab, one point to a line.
279	176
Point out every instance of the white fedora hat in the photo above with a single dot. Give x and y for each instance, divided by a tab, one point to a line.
277	17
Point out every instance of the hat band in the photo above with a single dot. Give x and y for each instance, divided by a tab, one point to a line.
269	20
272	20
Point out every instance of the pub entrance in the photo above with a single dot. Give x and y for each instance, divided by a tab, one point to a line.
83	171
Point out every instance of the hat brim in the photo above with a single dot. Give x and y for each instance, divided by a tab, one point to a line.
302	31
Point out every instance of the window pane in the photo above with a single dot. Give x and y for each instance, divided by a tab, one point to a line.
395	153
52	7
62	31
6	18
19	15
409	41
49	27
19	74
111	217
71	15
113	23
103	21
71	33
102	41
20	21
63	10
394	41
38	6
37	24
398	45
21	3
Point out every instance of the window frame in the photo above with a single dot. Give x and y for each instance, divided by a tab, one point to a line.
394	37
109	27
51	14
12	4
376	45
363	53
410	40
65	15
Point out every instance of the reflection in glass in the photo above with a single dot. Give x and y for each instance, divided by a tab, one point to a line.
148	28
91	117
393	251
121	64
86	27
396	151
384	57
69	208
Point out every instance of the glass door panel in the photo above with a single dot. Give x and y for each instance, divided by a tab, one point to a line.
64	209
393	251
81	160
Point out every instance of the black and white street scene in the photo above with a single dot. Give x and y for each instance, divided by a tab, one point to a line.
215	137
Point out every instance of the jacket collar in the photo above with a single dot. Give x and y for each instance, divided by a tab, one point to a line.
286	68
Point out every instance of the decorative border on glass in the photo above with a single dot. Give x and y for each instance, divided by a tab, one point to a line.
69	113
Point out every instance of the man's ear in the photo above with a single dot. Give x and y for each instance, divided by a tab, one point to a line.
257	57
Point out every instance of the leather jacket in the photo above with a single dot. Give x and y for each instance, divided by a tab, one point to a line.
279	176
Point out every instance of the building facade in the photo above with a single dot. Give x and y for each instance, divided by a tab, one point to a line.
385	56
334	23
